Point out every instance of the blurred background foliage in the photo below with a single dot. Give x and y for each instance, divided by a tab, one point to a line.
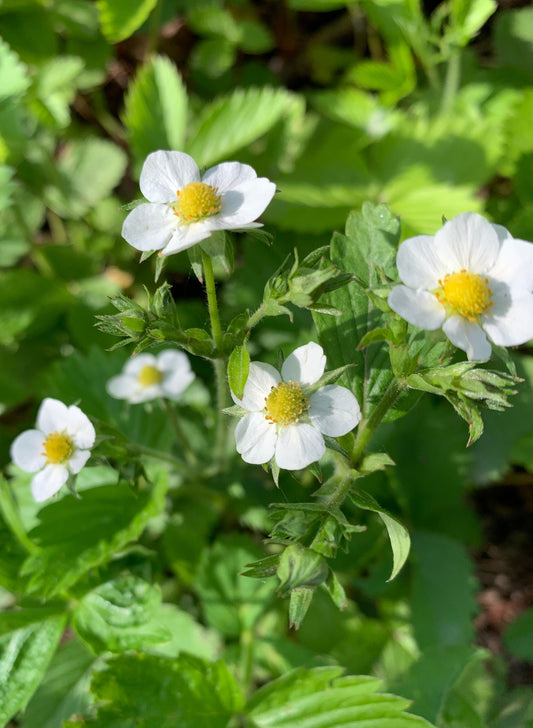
426	107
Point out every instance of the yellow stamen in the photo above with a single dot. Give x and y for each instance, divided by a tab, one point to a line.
285	403
466	293
149	375
58	448
196	201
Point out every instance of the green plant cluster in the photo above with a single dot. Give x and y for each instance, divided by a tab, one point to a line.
128	606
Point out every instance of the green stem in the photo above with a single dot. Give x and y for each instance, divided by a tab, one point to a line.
219	363
256	317
158	455
190	457
365	432
10	511
247	659
451	82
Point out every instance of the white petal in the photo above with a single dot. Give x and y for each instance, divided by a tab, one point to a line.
185	236
243	204
228	174
255	438
79	427
419	308
468	336
27	451
468	242
305	365
418	262
515	326
175	383
52	416
514	264
78	460
298	446
136	364
164	173
145	394
334	410
121	386
261	379
149	226
48	482
173	360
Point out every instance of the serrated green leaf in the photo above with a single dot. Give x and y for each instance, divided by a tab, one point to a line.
12	72
64	690
142	691
155	108
238	366
77	535
230	601
120	615
249	113
87	172
399	536
24	657
54	88
120	18
321	697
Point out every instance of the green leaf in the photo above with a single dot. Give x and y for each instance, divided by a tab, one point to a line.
230	601
443	588
12	72
517	636
142	691
469	16
155	108
121	18
77	535
248	113
87	172
24	657
54	89
368	248
238	366
120	615
321	697
399	536
64	690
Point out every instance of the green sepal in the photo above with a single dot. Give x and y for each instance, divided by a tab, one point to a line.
299	567
238	368
336	591
299	602
195	259
263	568
235	411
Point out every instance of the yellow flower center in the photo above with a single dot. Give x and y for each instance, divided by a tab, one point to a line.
196	201
285	403
58	448
467	293
149	375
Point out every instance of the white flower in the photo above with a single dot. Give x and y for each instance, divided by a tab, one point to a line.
60	445
473	280
286	423
147	377
185	207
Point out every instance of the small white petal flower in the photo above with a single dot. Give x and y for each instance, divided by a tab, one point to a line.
147	377
185	207
60	445
473	280
286	422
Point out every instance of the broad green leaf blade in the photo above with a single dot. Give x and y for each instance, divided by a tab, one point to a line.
120	615
399	536
86	172
121	18
24	657
321	698
248	113
142	691
64	690
77	535
366	250
232	602
155	109
238	366
13	73
442	602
